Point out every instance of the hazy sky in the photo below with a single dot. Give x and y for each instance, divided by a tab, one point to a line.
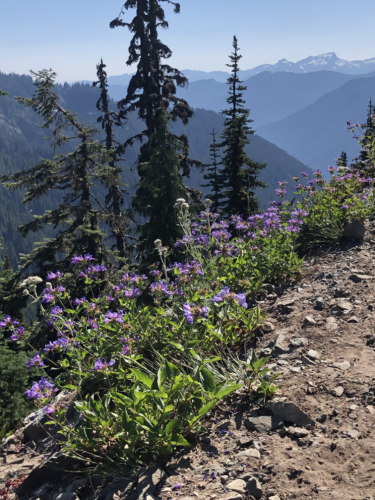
70	36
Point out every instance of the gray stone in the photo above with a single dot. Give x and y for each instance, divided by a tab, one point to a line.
268	327
245	440
285	303
254	488
353	319
238	485
355	229
290	412
337	392
313	354
224	425
248	453
42	490
353	434
309	320
344	305
358	278
319	304
232	496
322	418
224	478
263	424
149	479
331	324
34	426
75	485
299	341
298	432
344	365
274	497
65	496
281	345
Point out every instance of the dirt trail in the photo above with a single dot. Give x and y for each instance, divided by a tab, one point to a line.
322	341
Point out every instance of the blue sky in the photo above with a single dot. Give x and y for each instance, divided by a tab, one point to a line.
71	36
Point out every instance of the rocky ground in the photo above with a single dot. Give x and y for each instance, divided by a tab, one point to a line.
316	439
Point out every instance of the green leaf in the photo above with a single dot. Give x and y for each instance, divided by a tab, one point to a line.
208	381
70	386
171	370
143	378
178	346
178	440
227	390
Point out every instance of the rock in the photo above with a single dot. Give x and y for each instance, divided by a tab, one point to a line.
322	418
299	341
263	424
355	229
254	488
344	365
65	496
53	469
224	425
238	485
298	432
285	303
319	304
344	305
42	490
307	361
313	354
290	412
224	478
357	278
295	369
268	327
245	440
353	319
281	345
248	453
353	434
149	479
337	392
309	320
75	485
34	426
230	496
331	324
274	497
341	293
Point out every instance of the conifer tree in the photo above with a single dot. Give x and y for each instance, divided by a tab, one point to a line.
160	174
213	175
153	87
343	160
239	176
110	173
75	219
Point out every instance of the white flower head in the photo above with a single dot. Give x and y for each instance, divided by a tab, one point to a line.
31	281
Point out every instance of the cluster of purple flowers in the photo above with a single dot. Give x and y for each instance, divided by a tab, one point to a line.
52	276
58	345
40	390
8	321
132	293
35	361
79	258
226	295
193	312
17	334
102	364
134	278
92	271
113	317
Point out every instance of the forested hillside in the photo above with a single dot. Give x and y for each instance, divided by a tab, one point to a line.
23	143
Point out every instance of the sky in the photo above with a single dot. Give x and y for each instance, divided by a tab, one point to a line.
71	36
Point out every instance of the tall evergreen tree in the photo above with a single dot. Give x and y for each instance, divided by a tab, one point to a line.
213	175
110	173
161	174
239	176
154	86
343	160
75	219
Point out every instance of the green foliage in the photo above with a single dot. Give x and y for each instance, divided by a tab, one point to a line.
239	176
153	417
15	378
212	174
254	380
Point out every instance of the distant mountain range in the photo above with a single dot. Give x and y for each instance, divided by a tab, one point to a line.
326	62
317	134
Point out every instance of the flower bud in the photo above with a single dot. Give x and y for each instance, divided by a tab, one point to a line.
158	244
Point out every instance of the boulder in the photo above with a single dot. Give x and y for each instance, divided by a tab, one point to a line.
263	424
149	479
355	229
254	488
290	412
281	345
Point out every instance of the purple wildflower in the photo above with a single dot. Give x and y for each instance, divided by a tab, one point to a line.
35	361
226	295
40	390
20	332
101	364
192	312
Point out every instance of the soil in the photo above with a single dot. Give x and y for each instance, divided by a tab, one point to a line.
330	376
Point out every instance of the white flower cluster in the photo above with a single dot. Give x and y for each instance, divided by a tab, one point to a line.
31	281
